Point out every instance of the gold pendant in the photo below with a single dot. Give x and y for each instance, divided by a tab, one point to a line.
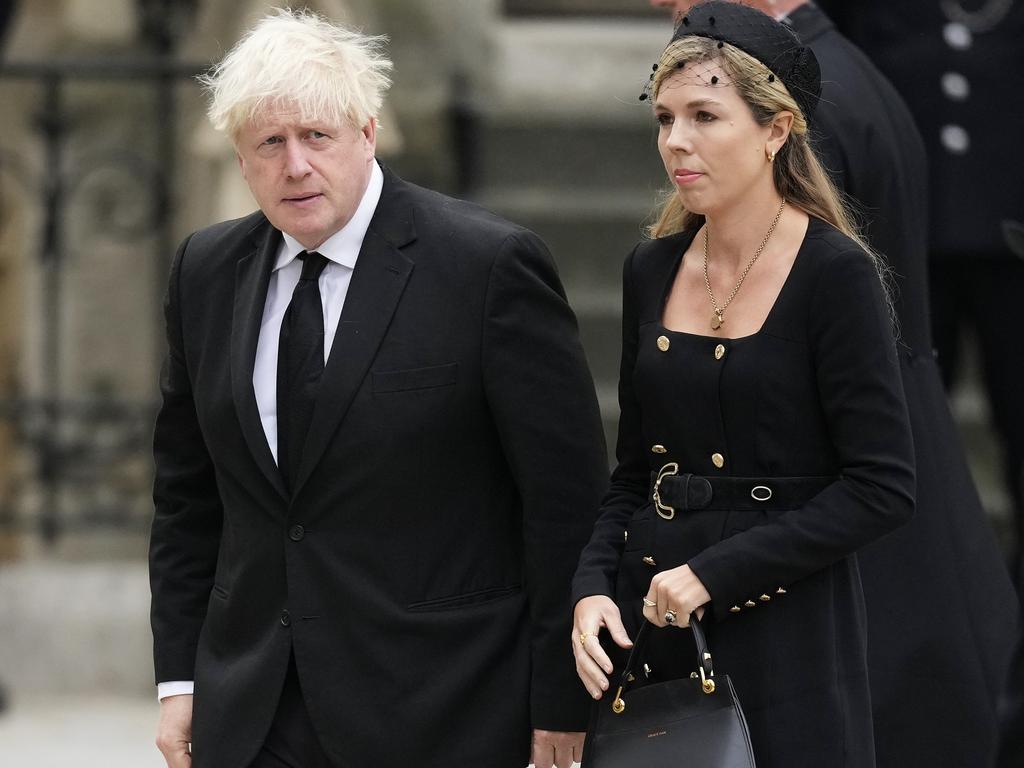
716	321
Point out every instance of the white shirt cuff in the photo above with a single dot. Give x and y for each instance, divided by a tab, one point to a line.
174	688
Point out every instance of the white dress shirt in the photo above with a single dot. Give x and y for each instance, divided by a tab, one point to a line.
341	251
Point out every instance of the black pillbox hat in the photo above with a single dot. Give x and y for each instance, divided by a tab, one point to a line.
772	43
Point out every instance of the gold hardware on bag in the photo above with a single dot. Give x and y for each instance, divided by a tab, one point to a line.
665	511
706	683
618	706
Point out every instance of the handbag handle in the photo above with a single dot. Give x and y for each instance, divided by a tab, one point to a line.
704	665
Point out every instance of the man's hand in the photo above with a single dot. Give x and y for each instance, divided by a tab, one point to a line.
556	748
174	733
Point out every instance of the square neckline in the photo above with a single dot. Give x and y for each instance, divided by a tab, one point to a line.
814	223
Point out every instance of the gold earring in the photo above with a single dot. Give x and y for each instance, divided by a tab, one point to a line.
770	154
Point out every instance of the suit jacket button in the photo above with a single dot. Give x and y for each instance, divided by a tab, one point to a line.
664	343
718	460
286	619
649	560
296	533
734	609
719	351
750	604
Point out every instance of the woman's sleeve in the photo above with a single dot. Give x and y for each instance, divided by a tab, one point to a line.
599	561
861	394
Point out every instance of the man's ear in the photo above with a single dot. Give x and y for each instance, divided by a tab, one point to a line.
241	163
370	135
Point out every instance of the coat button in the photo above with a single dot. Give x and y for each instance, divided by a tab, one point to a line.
750	604
649	560
719	351
659	449
664	343
780	591
764	598
286	618
718	460
296	533
735	609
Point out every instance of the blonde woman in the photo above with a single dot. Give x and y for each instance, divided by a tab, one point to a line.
764	435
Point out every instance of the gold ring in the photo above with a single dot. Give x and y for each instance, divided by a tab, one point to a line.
649	603
670	617
583	639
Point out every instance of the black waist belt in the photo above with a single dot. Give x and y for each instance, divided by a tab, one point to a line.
672	492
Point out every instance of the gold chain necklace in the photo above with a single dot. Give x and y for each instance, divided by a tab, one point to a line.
718	318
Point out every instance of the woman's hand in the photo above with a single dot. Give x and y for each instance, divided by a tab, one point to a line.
592	663
677	590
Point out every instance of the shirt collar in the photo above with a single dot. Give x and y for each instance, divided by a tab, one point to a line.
343	246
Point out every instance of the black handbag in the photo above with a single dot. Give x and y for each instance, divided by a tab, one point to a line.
695	722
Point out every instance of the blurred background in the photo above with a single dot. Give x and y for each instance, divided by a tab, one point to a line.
106	162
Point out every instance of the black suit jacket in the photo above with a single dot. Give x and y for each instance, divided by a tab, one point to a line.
452	473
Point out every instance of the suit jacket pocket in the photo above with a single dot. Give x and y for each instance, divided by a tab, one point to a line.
414	378
466	599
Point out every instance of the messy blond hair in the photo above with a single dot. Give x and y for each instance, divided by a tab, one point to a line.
298	61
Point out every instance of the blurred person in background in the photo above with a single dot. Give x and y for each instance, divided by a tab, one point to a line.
941	617
960	66
379	452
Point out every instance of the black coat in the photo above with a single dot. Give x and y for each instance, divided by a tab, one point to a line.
941	609
976	181
451	476
816	392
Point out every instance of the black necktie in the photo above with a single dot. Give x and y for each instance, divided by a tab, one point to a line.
300	364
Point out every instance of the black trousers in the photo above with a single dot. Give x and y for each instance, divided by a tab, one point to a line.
291	741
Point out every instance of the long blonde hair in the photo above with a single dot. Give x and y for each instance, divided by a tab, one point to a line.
798	174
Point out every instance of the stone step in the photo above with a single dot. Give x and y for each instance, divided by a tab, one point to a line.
566	153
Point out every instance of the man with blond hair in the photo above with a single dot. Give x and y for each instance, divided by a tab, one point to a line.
378	456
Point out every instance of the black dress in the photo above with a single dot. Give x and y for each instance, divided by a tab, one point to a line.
815	392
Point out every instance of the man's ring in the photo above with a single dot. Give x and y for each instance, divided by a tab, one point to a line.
670	617
583	639
649	603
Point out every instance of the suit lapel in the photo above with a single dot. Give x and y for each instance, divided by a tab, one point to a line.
378	281
252	276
